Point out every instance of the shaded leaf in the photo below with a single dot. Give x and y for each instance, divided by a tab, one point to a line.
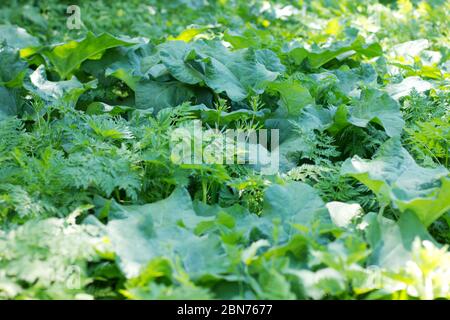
12	68
8	103
160	95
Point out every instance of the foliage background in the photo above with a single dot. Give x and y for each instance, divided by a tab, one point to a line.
93	206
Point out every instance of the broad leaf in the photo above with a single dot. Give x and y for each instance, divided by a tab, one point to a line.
374	105
12	68
164	228
8	103
17	37
237	73
160	95
392	241
294	203
66	58
402	89
343	213
293	97
394	176
133	64
178	57
318	56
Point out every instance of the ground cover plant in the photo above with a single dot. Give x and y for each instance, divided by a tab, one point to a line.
94	203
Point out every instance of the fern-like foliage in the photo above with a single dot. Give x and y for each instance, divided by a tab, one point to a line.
431	140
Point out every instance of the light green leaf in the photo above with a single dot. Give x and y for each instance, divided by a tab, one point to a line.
132	64
374	105
294	97
237	73
129	64
410	49
249	254
250	37
190	33
323	282
392	241
17	37
317	117
288	151
342	213
294	203
394	176
402	89
66	58
164	228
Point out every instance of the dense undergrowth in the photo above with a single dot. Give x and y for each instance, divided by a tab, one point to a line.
94	205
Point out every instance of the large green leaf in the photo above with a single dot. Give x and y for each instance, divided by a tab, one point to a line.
12	68
249	37
8	103
237	73
293	97
164	228
178	57
235	219
17	37
372	106
131	64
318	118
66	58
394	176
377	106
402	89
160	95
392	241
289	150
294	203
